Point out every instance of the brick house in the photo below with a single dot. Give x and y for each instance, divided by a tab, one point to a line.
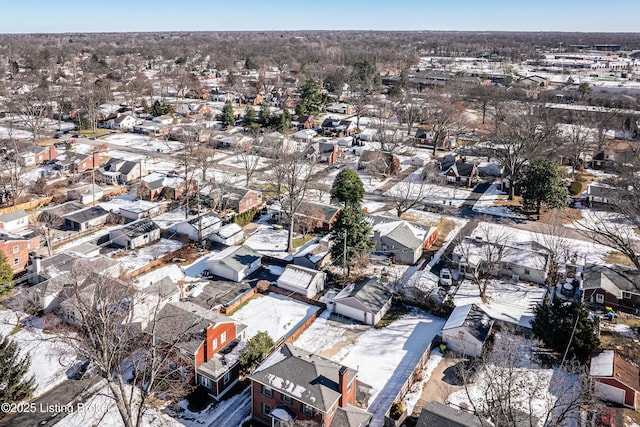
79	162
238	199
615	379
459	173
294	386
33	155
208	342
16	248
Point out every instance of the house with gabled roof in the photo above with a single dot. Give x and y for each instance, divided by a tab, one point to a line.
14	221
122	171
365	301
230	234
87	194
459	173
436	414
402	240
467	329
199	228
610	285
210	343
302	280
295	386
16	248
30	155
615	379
234	263
85	219
323	215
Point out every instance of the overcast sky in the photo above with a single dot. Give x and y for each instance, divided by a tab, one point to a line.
46	16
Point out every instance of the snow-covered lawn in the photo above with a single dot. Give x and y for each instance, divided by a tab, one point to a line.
322	335
138	258
487	204
161	165
50	360
273	313
269	241
172	271
238	162
9	132
383	357
143	142
413	188
538	392
510	301
609	221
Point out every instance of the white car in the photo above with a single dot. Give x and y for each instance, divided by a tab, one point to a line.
445	277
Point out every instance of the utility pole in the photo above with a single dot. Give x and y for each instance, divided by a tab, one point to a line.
199	220
344	252
93	185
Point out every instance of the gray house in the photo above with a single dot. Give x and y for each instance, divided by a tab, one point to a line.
135	234
404	241
365	301
301	280
235	263
121	171
87	218
436	414
198	228
467	330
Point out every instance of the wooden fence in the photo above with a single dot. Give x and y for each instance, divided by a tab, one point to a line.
27	205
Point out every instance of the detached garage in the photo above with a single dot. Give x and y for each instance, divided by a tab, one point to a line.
615	379
467	330
365	301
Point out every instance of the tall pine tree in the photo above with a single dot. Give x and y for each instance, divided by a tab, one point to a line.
15	386
347	187
543	184
228	116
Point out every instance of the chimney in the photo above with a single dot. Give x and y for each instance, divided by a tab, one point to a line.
37	264
343	384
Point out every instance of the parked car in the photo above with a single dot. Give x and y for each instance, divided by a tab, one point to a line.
445	277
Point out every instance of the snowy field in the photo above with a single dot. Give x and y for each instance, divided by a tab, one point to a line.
486	204
138	258
142	142
238	162
269	241
383	357
273	313
9	132
413	188
510	301
51	361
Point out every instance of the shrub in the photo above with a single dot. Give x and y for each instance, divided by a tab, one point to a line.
575	188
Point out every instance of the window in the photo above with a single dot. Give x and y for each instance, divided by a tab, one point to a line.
266	409
267	391
600	298
307	410
227	377
16	261
223	337
286	398
527	271
204	381
16	249
214	344
626	295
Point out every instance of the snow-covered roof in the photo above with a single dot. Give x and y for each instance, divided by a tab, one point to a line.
457	317
229	230
298	276
602	364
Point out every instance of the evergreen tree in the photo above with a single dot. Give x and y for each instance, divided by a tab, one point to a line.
285	121
554	325
543	184
228	117
6	275
352	225
347	187
265	114
255	350
249	116
15	387
311	102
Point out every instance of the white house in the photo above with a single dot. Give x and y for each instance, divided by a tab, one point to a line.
135	234
86	194
467	330
235	263
199	227
139	209
230	234
14	221
365	301
302	280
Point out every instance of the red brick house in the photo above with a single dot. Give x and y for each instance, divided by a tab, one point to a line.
79	162
294	386
459	173
32	154
615	379
155	185
238	199
303	122
16	248
209	343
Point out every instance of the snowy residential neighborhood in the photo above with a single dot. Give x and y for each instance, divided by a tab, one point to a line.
314	229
